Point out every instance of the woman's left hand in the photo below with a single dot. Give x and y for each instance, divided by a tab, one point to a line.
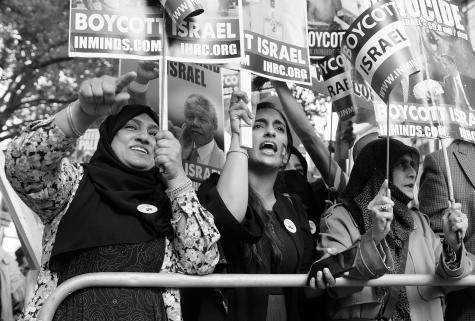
168	156
454	221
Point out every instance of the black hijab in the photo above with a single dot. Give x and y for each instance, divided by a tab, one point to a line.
366	179
104	209
369	172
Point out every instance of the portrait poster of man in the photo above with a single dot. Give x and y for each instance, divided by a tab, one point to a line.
275	38
195	112
116	29
214	36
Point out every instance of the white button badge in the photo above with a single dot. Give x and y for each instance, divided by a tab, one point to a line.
147	208
313	227
290	226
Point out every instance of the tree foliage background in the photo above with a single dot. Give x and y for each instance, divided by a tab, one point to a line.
37	77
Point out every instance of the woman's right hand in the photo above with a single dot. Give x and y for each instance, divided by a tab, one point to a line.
238	110
381	207
103	96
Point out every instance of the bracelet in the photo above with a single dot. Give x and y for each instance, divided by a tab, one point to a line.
180	189
237	151
138	87
71	123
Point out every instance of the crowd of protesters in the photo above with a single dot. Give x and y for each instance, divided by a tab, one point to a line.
131	208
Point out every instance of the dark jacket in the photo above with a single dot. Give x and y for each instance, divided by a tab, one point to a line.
248	304
433	198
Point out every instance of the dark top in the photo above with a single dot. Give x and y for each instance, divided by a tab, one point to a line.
250	304
112	303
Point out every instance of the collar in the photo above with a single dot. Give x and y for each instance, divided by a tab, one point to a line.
205	151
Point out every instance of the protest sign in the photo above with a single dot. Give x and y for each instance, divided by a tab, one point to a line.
179	10
324	41
196	112
128	29
339	85
444	87
377	45
214	36
424	121
275	40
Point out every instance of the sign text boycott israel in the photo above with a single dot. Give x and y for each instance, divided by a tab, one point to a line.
338	83
275	40
213	36
128	32
423	121
377	45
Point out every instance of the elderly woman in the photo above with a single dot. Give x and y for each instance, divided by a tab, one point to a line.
116	214
393	238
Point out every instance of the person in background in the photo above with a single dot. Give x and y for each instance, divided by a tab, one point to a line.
391	238
262	231
433	200
22	261
332	174
12	290
119	213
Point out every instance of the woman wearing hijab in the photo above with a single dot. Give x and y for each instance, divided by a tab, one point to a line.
116	214
392	238
262	231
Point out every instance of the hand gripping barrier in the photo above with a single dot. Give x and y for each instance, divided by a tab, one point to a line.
172	280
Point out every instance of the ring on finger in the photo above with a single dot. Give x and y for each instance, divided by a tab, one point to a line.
384	207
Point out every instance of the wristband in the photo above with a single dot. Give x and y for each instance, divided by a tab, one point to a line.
237	151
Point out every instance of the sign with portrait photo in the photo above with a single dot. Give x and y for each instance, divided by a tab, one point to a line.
196	115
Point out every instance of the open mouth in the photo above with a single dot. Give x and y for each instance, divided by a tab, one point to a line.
268	145
139	149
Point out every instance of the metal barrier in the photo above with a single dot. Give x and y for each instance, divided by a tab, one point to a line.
172	280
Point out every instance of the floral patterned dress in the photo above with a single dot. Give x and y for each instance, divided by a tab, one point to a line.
46	181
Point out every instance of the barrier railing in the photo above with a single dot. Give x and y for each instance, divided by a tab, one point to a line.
171	280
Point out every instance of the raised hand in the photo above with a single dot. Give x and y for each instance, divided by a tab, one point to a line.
103	96
382	208
146	71
238	111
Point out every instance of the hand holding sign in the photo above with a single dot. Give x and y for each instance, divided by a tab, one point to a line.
382	209
168	157
238	111
454	222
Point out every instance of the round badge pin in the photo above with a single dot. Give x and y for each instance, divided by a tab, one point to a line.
313	227
147	208
290	226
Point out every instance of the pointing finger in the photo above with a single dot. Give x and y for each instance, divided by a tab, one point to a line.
125	80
